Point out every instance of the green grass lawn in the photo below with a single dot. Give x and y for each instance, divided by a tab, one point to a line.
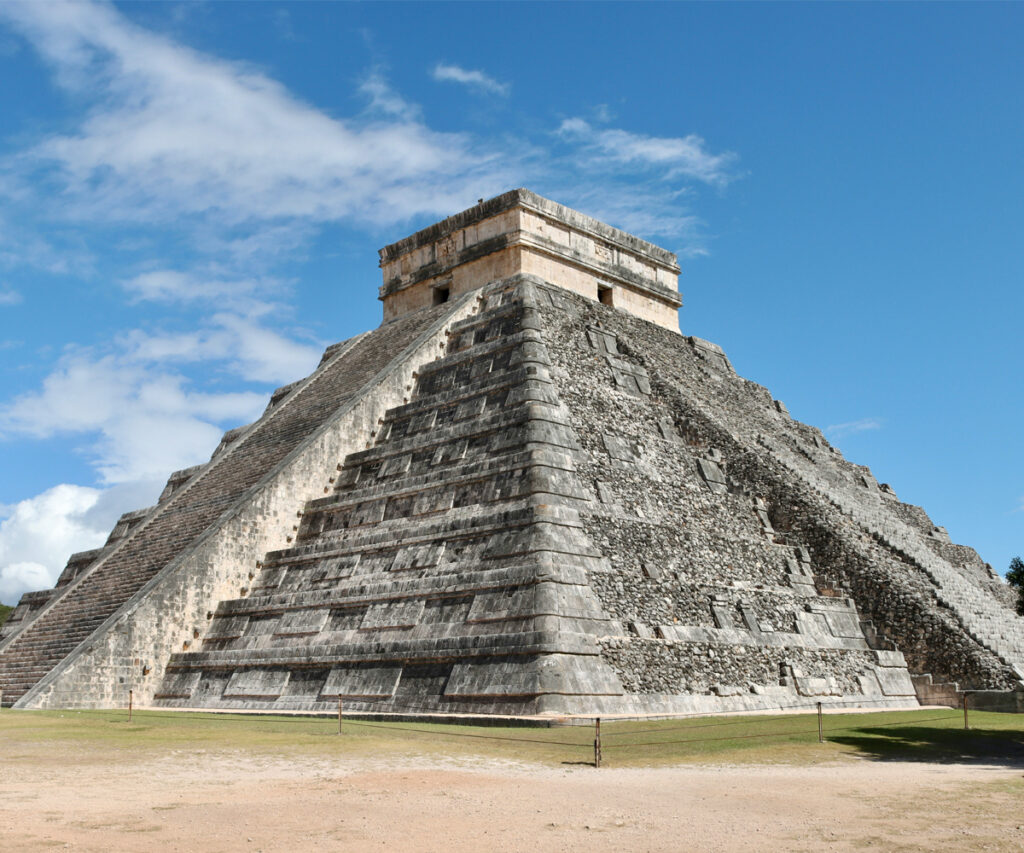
935	736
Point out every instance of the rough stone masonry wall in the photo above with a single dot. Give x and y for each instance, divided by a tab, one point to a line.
685	561
812	497
131	650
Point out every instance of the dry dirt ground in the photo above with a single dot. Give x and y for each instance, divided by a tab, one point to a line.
225	801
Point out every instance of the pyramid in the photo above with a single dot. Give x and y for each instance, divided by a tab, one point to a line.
525	493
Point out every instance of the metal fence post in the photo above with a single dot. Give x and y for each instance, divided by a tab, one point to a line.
339	715
131	701
821	735
966	723
597	742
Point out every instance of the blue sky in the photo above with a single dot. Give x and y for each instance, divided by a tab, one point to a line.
192	196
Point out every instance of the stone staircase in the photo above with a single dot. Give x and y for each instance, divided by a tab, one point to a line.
448	570
985	618
79	609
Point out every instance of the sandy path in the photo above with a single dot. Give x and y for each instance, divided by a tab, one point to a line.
230	801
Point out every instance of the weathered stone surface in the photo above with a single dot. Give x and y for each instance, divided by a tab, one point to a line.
519	500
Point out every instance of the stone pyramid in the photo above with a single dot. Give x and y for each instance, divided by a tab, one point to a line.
526	492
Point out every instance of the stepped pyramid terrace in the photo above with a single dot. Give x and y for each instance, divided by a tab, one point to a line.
526	492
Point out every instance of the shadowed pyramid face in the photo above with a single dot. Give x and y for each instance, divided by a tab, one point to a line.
519	499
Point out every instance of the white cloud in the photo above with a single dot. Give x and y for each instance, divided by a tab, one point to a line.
143	421
385	100
249	349
641	209
174	286
9	297
674	157
175	132
851	427
473	79
37	535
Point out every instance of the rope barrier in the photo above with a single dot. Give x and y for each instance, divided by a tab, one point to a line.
744	722
710	739
576	722
394	728
895	723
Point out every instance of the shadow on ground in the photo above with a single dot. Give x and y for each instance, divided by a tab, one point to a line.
947	746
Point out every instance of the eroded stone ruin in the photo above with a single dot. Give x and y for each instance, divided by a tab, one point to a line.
526	492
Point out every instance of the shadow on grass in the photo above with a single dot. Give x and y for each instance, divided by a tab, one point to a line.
936	745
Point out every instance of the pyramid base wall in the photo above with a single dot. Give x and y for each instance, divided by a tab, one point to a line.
575	706
575	685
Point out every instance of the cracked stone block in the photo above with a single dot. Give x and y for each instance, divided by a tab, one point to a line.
256	684
297	623
619	448
418	557
668	430
641	630
392	614
374	682
602	341
713	475
179	685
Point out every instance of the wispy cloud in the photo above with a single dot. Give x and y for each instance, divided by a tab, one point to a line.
473	79
385	100
851	427
135	415
672	157
172	132
9	296
176	287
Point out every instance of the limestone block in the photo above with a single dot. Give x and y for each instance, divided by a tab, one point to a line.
297	623
227	628
895	681
507	604
434	500
809	686
889	658
667	428
713	475
370	512
868	683
392	614
844	624
619	448
813	625
179	685
640	629
652	570
362	682
256	684
724	614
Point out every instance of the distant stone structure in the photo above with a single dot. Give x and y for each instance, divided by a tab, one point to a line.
526	492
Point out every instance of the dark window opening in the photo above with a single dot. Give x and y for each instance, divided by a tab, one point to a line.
441	295
604	295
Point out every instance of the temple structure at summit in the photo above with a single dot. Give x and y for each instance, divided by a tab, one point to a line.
526	492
